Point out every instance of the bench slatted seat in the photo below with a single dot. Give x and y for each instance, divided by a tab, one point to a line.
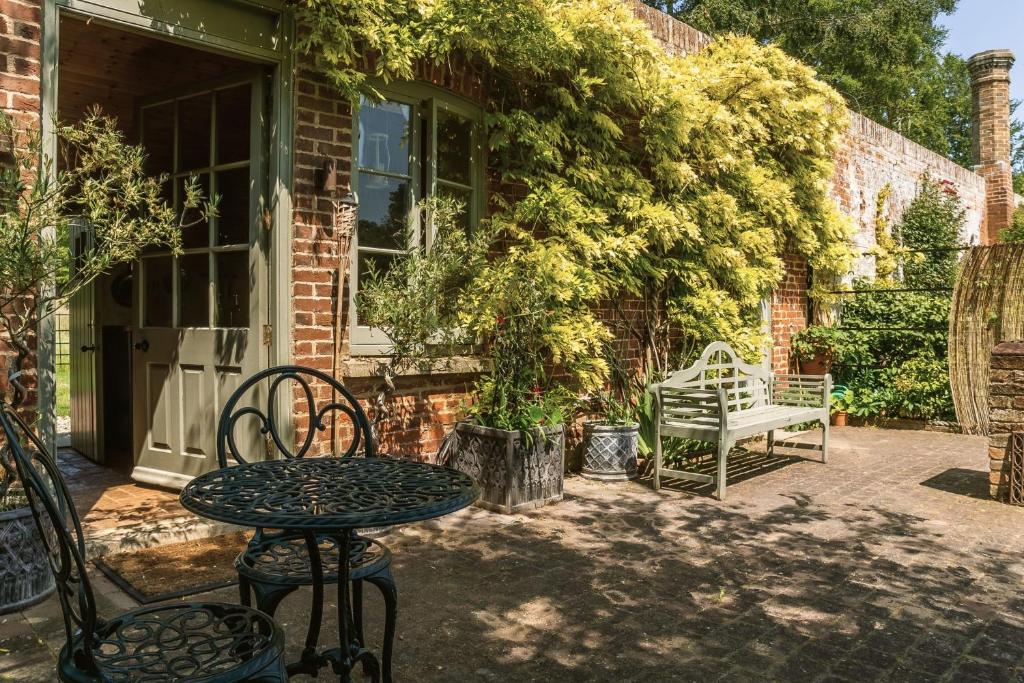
722	399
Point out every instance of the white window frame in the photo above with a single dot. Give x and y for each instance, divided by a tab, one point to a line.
425	102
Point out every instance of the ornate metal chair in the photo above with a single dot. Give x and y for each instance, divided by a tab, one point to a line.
183	641
276	564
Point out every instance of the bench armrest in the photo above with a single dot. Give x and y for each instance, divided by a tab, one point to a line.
805	391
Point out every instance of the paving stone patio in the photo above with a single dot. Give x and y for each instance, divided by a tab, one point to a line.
888	563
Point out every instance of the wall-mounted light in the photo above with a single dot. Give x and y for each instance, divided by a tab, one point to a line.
327	176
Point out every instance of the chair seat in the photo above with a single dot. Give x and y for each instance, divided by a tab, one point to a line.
186	641
284	559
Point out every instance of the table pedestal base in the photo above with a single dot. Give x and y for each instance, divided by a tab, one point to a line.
351	652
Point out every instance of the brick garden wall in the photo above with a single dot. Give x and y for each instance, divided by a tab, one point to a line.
20	30
1006	410
872	157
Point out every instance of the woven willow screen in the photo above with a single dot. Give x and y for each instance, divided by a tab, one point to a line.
988	308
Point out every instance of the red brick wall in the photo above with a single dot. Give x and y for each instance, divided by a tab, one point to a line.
789	312
1006	411
19	98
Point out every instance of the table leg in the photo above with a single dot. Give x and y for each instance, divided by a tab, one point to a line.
310	661
351	651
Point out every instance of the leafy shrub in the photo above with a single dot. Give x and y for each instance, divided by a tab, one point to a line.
1015	233
677	179
895	343
820	340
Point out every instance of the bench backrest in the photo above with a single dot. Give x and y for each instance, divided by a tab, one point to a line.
746	386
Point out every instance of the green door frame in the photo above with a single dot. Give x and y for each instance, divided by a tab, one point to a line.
262	32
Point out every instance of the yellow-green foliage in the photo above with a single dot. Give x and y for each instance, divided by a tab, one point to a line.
683	178
885	246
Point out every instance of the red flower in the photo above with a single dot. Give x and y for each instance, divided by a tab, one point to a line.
536	390
500	320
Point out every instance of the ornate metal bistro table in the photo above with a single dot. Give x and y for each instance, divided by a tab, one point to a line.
329	496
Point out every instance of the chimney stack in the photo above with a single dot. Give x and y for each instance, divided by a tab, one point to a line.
990	85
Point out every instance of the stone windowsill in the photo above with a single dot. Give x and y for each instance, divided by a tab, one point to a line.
370	366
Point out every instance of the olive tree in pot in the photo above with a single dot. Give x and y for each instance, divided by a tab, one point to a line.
100	184
502	293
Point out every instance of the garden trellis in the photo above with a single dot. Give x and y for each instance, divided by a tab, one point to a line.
988	308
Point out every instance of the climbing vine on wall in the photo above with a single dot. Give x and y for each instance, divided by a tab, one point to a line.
677	179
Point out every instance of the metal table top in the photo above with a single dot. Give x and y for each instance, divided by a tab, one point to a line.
328	494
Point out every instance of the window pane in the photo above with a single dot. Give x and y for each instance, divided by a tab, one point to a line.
194	132
233	124
383	211
157	288
370	264
454	147
194	290
384	136
158	138
464	198
233	289
233	209
197	232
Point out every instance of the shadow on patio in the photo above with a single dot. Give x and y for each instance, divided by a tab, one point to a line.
862	569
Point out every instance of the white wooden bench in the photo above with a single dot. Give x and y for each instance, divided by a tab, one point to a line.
721	399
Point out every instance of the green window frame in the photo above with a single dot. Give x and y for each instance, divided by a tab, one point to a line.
418	142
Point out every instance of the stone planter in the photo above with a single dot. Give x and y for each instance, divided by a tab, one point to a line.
609	451
515	473
25	576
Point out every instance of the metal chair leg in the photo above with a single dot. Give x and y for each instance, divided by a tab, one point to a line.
244	591
357	609
384	581
269	596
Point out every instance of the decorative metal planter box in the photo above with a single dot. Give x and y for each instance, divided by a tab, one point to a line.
515	472
25	576
609	451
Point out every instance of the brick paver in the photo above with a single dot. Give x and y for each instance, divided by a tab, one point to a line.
888	563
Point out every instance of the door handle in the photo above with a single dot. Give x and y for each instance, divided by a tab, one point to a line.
142	345
88	348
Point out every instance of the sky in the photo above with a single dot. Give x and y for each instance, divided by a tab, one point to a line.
980	25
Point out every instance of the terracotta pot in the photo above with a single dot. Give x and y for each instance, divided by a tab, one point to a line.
839	419
819	364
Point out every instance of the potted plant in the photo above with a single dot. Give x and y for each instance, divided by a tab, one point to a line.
505	294
841	398
610	442
817	347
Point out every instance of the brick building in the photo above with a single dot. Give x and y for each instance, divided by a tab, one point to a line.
216	88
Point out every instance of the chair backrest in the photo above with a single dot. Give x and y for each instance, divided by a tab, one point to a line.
746	385
60	530
303	385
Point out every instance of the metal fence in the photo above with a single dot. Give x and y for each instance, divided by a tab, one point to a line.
62	357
